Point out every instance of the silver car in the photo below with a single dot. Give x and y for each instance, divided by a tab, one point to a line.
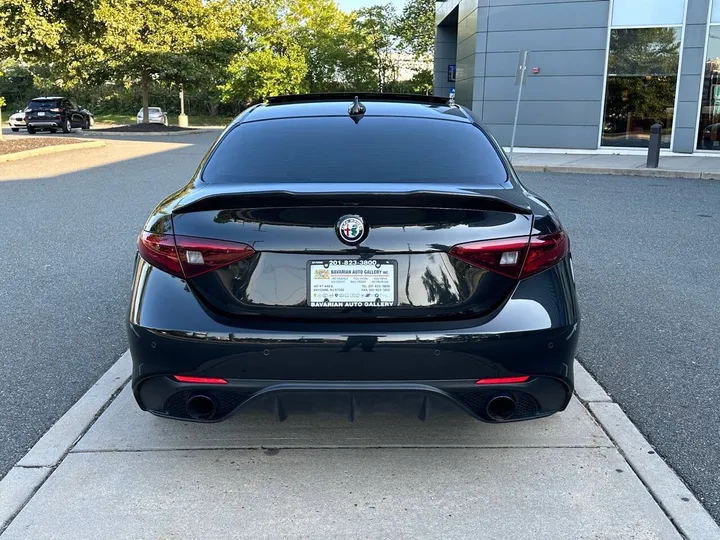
155	115
17	121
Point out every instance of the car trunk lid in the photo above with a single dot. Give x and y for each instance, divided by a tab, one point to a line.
302	268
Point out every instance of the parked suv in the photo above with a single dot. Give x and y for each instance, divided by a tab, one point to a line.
53	113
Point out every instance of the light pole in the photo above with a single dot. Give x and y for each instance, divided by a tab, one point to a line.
182	118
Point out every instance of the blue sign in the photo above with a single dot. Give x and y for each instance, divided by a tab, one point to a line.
451	72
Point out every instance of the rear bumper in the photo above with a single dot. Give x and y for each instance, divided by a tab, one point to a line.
535	333
538	397
45	123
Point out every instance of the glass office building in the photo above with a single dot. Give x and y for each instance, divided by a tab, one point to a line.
600	74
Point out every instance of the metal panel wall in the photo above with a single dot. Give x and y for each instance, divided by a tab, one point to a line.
562	104
692	71
445	46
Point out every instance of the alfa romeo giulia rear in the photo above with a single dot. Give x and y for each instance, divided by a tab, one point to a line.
353	247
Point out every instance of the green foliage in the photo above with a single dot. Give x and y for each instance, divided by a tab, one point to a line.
111	55
415	28
375	26
258	74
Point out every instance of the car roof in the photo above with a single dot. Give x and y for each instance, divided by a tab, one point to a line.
47	97
337	104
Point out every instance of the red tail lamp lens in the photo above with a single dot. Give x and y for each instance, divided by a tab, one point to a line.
517	257
546	250
159	250
503	380
187	256
505	256
201	255
199	380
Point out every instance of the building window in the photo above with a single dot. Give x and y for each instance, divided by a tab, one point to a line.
639	13
709	132
641	83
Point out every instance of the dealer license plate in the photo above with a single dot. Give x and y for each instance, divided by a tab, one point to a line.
352	283
41	113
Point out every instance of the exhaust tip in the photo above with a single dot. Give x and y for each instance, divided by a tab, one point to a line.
201	407
501	407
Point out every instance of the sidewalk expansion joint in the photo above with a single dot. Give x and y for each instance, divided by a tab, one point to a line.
341	447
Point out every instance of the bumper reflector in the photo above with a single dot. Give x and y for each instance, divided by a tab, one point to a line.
503	380
199	380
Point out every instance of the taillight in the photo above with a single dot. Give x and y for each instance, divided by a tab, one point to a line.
187	256
517	257
159	250
546	250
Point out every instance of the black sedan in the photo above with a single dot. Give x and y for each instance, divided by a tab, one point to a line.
347	246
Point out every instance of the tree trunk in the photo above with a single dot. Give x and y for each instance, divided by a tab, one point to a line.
213	109
144	88
1	133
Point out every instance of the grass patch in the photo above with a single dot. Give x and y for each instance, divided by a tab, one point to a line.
114	118
119	119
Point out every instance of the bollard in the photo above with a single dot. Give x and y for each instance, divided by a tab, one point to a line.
653	157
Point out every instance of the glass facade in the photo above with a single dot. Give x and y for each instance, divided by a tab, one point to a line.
639	13
641	84
709	128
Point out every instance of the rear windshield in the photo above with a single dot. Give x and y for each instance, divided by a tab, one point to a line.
335	149
151	110
44	104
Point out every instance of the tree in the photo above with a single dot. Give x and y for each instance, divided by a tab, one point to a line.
271	60
148	40
375	26
415	28
324	32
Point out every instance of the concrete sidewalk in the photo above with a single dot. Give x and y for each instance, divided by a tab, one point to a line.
388	475
631	164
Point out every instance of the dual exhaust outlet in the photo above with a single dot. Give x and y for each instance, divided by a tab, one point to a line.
201	407
501	407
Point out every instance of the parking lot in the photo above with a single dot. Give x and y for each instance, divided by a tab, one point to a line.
645	262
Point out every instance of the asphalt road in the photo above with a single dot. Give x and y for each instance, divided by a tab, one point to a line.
646	260
68	225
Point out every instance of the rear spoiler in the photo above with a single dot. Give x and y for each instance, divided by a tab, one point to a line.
499	200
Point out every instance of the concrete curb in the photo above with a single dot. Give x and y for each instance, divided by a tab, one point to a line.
673	496
677	501
658	173
50	150
26	477
192	131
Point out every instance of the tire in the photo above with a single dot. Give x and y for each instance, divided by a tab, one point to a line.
92	121
86	125
15	130
31	130
67	126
